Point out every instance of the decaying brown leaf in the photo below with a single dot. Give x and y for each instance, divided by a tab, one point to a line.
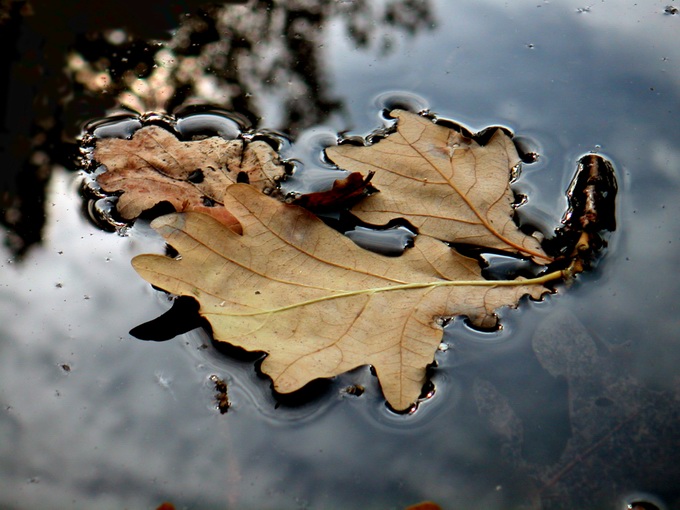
314	301
344	193
446	185
154	166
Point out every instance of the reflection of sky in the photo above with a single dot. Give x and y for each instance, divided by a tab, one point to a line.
607	77
109	433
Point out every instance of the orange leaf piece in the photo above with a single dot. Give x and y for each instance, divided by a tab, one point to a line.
345	192
154	166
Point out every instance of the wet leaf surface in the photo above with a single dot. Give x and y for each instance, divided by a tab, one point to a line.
447	185
318	304
154	167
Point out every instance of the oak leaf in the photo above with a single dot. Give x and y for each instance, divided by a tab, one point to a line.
447	185
154	166
315	302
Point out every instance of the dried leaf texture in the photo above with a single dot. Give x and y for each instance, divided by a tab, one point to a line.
314	301
446	185
154	166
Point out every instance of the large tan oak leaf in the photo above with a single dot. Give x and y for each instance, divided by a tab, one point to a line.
447	185
154	166
314	301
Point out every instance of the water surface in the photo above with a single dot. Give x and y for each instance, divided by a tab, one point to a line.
92	417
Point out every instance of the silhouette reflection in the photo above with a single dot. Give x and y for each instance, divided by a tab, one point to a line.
71	63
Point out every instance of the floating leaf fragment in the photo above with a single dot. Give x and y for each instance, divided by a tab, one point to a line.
154	166
447	185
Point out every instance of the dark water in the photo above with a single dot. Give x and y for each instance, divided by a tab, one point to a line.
573	404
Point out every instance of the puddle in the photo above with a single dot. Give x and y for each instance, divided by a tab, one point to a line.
133	423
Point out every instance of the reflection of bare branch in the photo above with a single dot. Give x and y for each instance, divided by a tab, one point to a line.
78	60
242	57
410	15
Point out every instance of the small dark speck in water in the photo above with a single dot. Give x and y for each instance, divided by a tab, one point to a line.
355	390
221	396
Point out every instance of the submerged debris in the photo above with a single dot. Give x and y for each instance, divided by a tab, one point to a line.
221	396
355	389
591	213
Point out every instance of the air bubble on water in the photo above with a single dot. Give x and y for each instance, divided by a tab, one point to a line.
90	186
390	242
443	347
164	119
521	200
120	126
442	321
210	125
198	120
515	172
291	197
401	100
507	267
596	149
103	213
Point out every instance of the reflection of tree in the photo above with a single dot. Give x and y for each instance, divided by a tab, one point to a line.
240	56
250	57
